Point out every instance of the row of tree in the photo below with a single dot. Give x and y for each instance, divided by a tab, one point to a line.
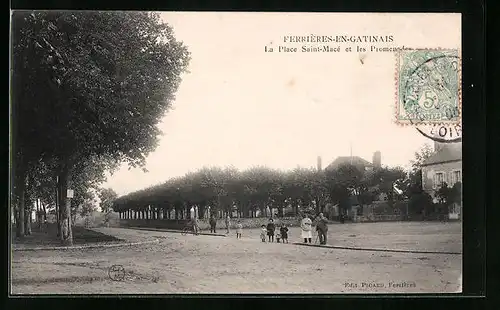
261	187
87	91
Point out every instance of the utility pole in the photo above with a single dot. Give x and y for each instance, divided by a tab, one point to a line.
350	144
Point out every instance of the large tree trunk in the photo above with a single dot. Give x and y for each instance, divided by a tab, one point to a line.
29	220
65	205
73	218
201	211
28	209
27	216
21	186
38	214
58	207
44	212
16	216
41	216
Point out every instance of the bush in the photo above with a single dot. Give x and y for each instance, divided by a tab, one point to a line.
419	203
381	207
401	206
98	219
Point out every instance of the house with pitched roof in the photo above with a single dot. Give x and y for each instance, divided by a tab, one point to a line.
361	164
444	166
354	160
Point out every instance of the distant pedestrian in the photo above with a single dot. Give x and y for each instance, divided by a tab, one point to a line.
306	227
284	233
228	223
213	223
239	230
196	226
341	217
263	232
322	228
270	230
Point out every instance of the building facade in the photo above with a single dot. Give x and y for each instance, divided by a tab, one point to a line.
444	166
357	161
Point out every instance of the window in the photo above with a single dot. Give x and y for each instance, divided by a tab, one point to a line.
438	179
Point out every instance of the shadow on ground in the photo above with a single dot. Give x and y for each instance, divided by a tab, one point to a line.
47	236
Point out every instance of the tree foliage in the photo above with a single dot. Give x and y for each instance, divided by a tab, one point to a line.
259	187
107	196
449	195
412	185
92	86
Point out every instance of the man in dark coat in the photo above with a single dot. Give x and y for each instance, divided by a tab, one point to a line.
213	223
322	228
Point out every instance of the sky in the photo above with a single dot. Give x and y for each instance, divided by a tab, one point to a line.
244	107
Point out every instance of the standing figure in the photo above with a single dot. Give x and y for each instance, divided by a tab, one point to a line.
196	226
213	223
263	232
228	223
284	233
322	228
306	226
270	230
239	229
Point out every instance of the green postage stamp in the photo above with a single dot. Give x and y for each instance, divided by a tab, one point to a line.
428	85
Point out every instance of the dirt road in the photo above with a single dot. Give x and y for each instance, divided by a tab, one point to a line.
210	264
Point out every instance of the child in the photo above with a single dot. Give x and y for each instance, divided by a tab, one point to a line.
284	233
278	237
263	232
270	230
239	230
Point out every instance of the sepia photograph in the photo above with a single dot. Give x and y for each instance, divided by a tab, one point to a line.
235	153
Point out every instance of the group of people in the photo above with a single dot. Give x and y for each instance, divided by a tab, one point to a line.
269	231
306	226
213	223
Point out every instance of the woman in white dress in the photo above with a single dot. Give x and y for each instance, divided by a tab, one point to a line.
306	226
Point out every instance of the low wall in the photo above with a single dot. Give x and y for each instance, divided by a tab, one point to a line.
401	217
150	223
378	218
204	224
258	222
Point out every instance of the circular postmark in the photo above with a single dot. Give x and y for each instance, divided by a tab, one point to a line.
451	133
429	93
116	273
431	87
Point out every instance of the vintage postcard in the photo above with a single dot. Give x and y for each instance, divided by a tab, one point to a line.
235	152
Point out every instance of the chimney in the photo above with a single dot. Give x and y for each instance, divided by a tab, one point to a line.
319	163
438	146
377	159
